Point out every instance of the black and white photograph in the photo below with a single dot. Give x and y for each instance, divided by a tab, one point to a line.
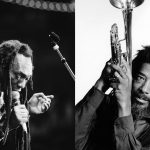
37	74
112	97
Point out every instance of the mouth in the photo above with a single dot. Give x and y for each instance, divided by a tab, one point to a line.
141	100
144	103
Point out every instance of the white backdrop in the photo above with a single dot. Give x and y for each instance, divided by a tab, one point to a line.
93	22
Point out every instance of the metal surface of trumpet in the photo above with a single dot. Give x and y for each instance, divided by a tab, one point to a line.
123	4
127	7
115	45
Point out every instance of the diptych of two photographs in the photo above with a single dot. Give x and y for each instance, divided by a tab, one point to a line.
74	75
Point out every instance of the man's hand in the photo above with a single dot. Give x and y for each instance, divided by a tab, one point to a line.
103	83
39	103
122	89
19	115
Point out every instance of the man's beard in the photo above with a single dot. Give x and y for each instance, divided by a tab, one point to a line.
138	111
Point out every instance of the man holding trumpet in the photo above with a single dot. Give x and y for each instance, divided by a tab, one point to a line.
120	120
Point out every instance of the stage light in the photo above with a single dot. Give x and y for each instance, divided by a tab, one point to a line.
51	6
31	3
58	6
25	2
44	5
38	4
10	0
18	1
64	7
71	7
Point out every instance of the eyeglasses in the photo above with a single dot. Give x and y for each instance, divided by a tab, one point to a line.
20	76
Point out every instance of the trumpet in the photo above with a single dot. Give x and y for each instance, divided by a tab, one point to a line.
116	51
127	7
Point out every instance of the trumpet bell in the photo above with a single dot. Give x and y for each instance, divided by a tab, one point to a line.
121	4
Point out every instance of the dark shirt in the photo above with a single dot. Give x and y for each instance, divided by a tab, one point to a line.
98	127
16	138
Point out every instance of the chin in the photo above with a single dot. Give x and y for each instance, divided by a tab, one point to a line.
140	109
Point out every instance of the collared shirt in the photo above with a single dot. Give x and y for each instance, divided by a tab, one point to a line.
98	127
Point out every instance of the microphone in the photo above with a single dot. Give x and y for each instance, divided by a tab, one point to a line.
16	101
54	37
54	40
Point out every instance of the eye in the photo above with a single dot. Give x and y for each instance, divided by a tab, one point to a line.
21	76
17	76
140	78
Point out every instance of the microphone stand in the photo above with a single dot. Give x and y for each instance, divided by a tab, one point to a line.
63	60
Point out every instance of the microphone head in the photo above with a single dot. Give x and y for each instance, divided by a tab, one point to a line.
15	98
54	38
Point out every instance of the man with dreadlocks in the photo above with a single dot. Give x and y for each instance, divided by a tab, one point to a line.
16	69
120	120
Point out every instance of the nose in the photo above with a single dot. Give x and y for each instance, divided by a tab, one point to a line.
21	83
146	87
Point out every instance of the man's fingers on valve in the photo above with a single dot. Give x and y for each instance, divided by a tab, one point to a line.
125	66
117	75
118	69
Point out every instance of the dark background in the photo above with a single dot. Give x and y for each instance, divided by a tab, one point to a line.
55	129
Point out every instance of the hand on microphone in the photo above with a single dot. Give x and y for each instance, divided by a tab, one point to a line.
20	113
39	103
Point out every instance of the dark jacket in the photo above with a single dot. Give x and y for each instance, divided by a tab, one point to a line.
15	138
98	127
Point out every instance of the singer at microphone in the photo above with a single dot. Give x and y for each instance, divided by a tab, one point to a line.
16	70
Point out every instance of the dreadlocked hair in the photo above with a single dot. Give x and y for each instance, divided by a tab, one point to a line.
8	51
142	56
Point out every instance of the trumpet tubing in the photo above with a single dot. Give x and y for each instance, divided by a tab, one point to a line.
127	7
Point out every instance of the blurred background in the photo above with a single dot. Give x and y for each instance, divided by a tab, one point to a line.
31	22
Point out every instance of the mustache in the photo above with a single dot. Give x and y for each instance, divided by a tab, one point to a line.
140	95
